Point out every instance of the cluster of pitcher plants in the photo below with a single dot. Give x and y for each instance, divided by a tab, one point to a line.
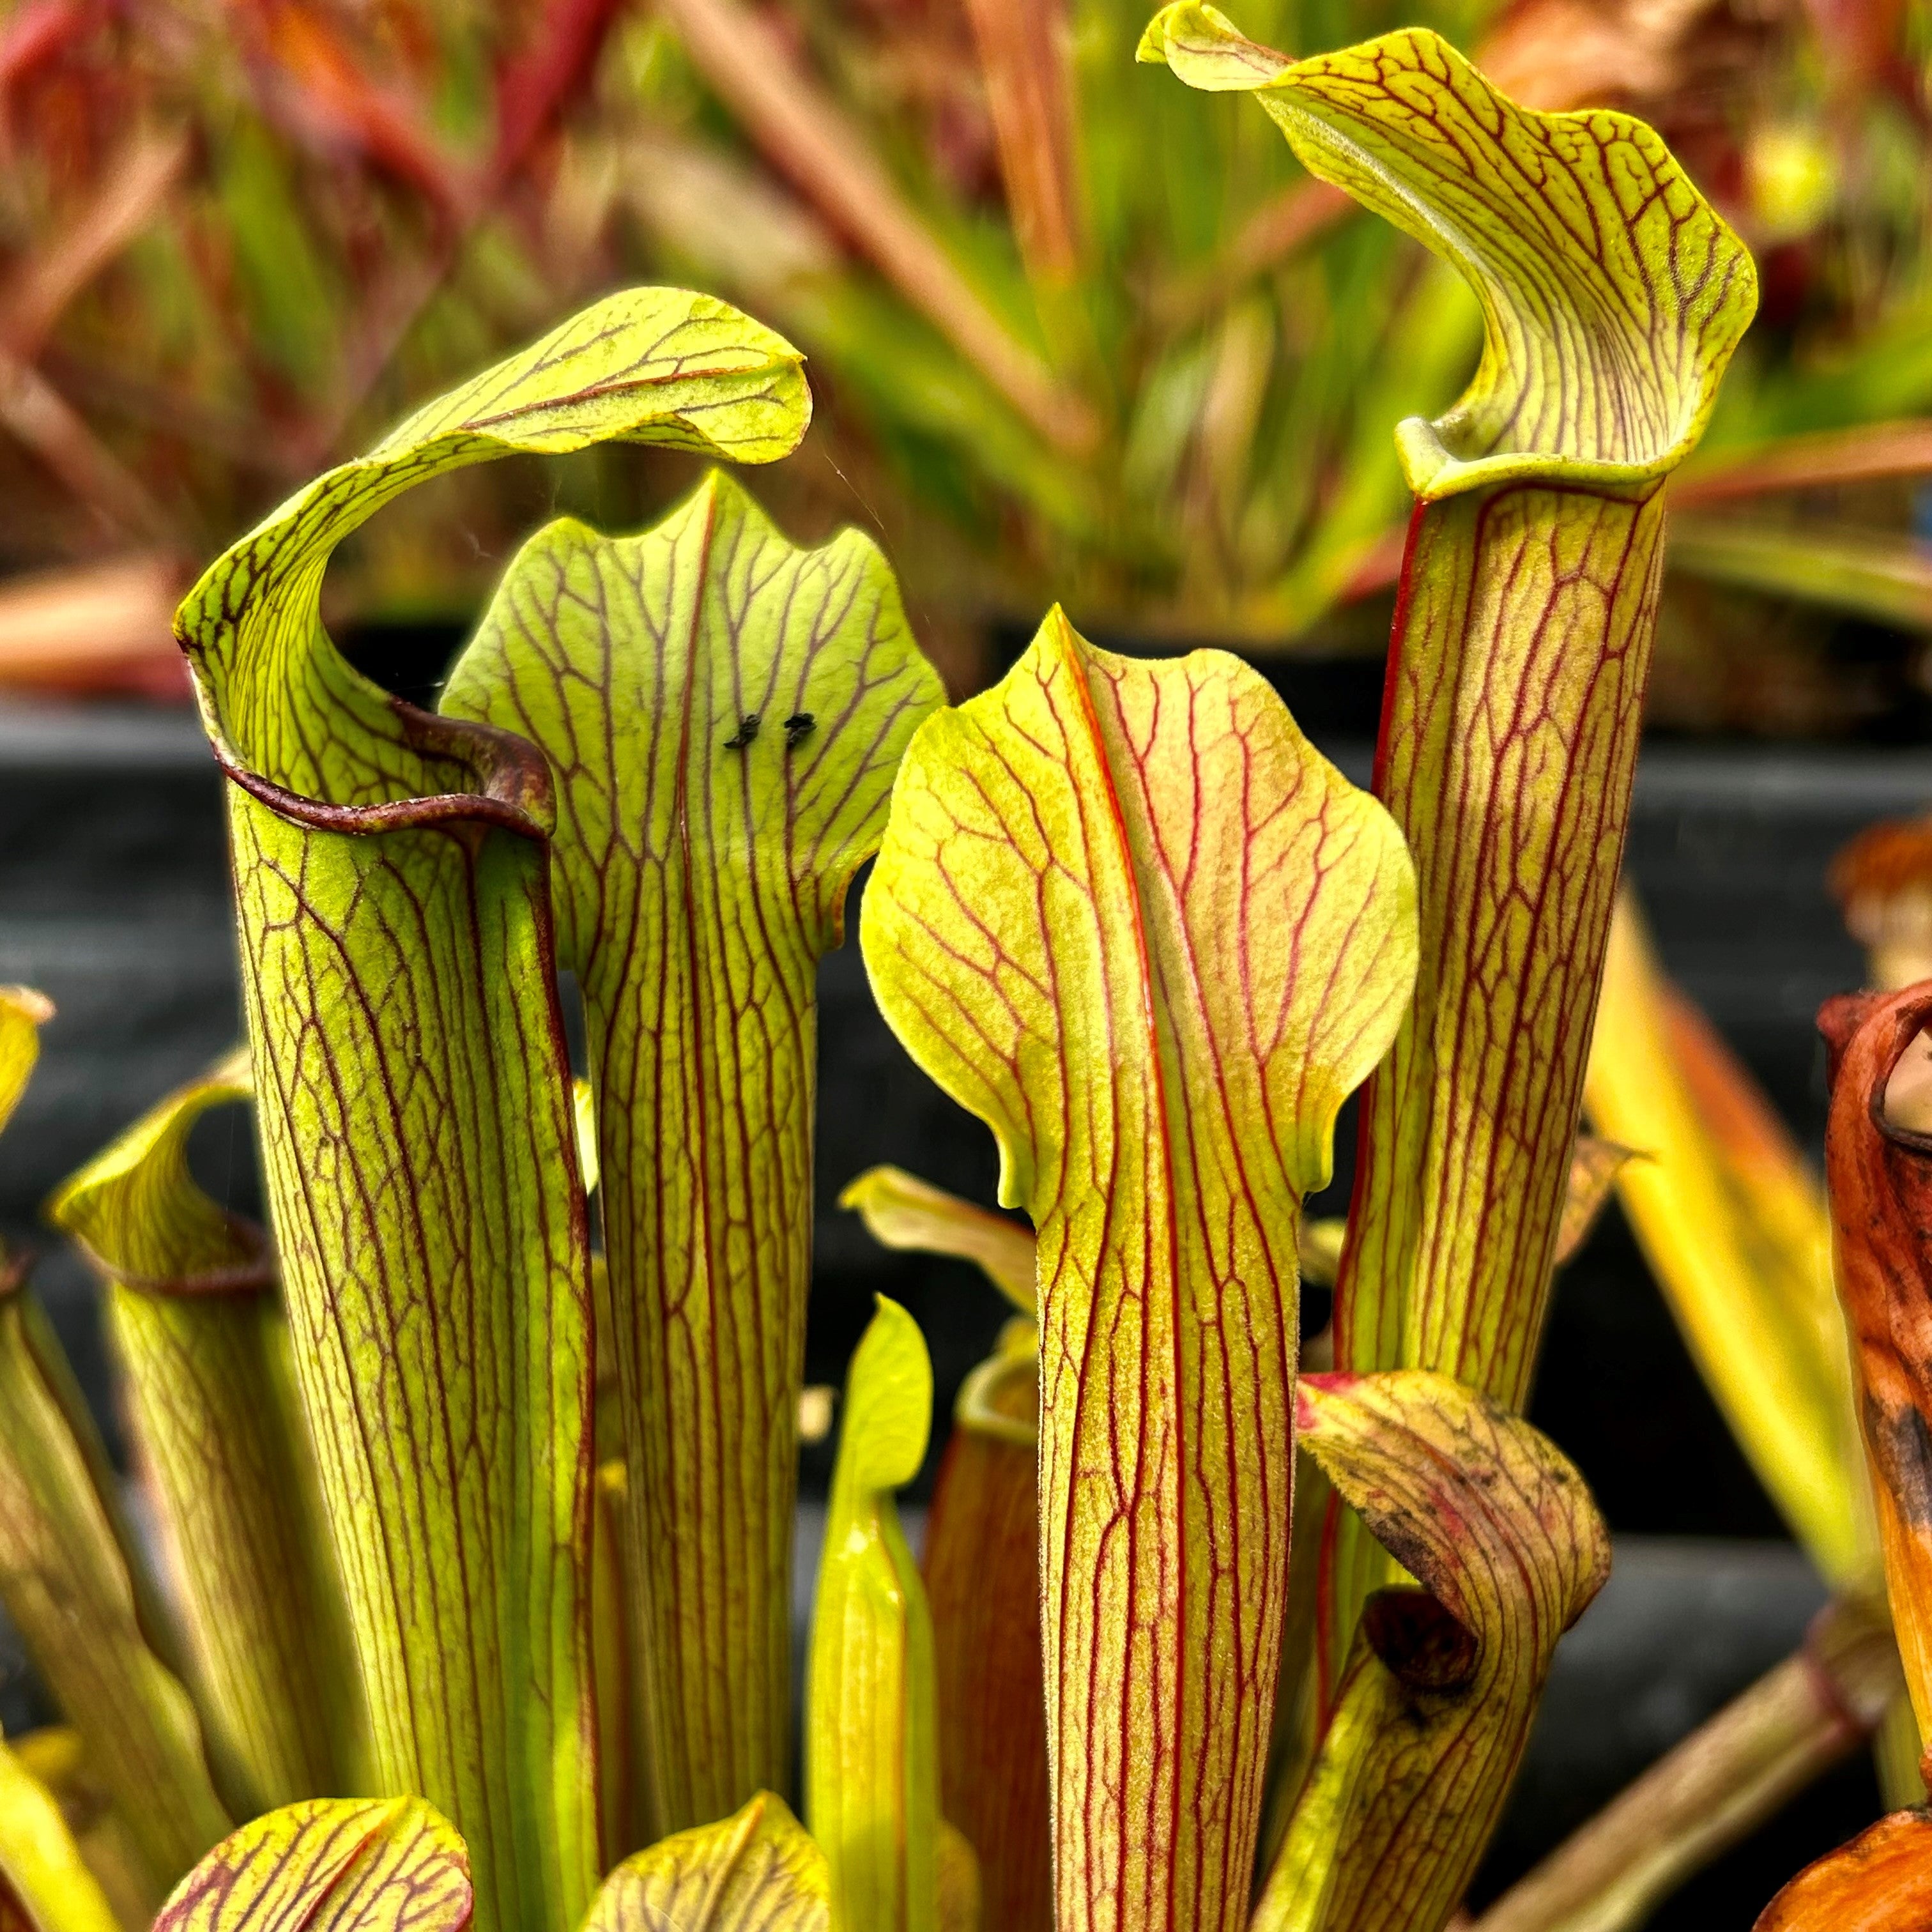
478	1532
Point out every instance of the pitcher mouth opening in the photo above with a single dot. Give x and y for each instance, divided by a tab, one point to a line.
1433	469
514	790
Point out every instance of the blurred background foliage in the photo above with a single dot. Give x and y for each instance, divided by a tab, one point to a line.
1074	333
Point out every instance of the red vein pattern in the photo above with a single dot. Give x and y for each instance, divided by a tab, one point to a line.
756	1871
417	1128
1612	293
330	1865
1125	914
1435	1708
1514	703
1613	296
724	714
414	1105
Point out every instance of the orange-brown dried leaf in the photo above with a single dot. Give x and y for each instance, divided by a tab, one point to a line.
1024	54
1879	1178
1880	1881
1564	54
328	97
1882	881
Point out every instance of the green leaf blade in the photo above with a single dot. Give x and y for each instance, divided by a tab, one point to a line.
724	714
872	1772
900	1210
1125	914
1613	296
417	1120
78	1594
43	1873
203	1347
1611	291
